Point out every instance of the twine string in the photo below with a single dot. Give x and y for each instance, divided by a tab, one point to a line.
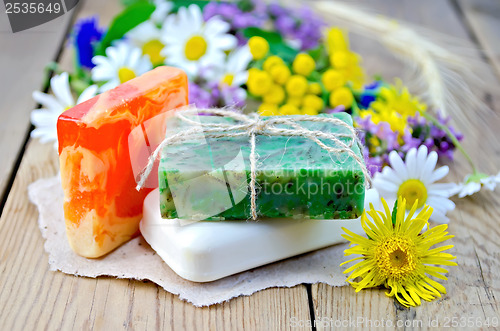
252	125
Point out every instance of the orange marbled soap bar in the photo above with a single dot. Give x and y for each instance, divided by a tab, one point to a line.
102	208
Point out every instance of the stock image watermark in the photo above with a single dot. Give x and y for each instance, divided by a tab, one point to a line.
431	322
28	14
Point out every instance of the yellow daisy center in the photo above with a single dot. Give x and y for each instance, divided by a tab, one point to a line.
195	48
228	79
396	257
411	190
153	48
125	74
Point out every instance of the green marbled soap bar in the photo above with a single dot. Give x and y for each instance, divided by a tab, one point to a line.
208	178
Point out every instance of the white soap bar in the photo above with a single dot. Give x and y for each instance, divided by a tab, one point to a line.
209	250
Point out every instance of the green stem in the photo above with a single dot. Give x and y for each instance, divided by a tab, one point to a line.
450	135
355	109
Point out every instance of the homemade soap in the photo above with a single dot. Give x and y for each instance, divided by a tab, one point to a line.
208	250
102	208
208	178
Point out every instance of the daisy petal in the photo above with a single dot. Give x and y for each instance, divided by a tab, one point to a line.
429	166
440	203
411	164
47	100
398	165
87	94
60	87
439	217
469	189
439	174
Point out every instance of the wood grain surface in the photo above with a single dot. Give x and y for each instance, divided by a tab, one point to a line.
32	297
23	57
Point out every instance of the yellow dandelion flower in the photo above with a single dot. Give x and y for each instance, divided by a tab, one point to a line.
398	255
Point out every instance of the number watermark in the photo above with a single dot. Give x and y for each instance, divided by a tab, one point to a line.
27	14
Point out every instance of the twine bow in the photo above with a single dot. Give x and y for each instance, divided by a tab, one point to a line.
252	125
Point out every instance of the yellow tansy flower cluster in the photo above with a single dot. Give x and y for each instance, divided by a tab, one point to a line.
286	91
394	105
345	67
302	88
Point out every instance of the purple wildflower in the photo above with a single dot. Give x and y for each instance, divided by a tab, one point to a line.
199	96
431	135
374	164
337	109
299	24
231	13
211	94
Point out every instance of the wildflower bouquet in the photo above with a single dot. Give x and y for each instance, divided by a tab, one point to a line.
248	54
277	61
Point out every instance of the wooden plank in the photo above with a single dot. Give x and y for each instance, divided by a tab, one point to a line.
44	299
23	58
483	16
473	287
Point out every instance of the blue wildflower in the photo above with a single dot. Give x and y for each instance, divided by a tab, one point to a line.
368	95
86	35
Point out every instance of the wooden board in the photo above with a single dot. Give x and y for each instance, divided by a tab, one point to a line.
23	57
483	18
33	297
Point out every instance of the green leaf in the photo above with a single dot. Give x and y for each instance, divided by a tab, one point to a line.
246	5
394	212
127	3
128	19
186	3
271	36
284	51
320	56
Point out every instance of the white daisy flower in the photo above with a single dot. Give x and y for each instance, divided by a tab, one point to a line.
45	118
234	71
192	44
147	37
234	74
416	179
473	184
121	63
